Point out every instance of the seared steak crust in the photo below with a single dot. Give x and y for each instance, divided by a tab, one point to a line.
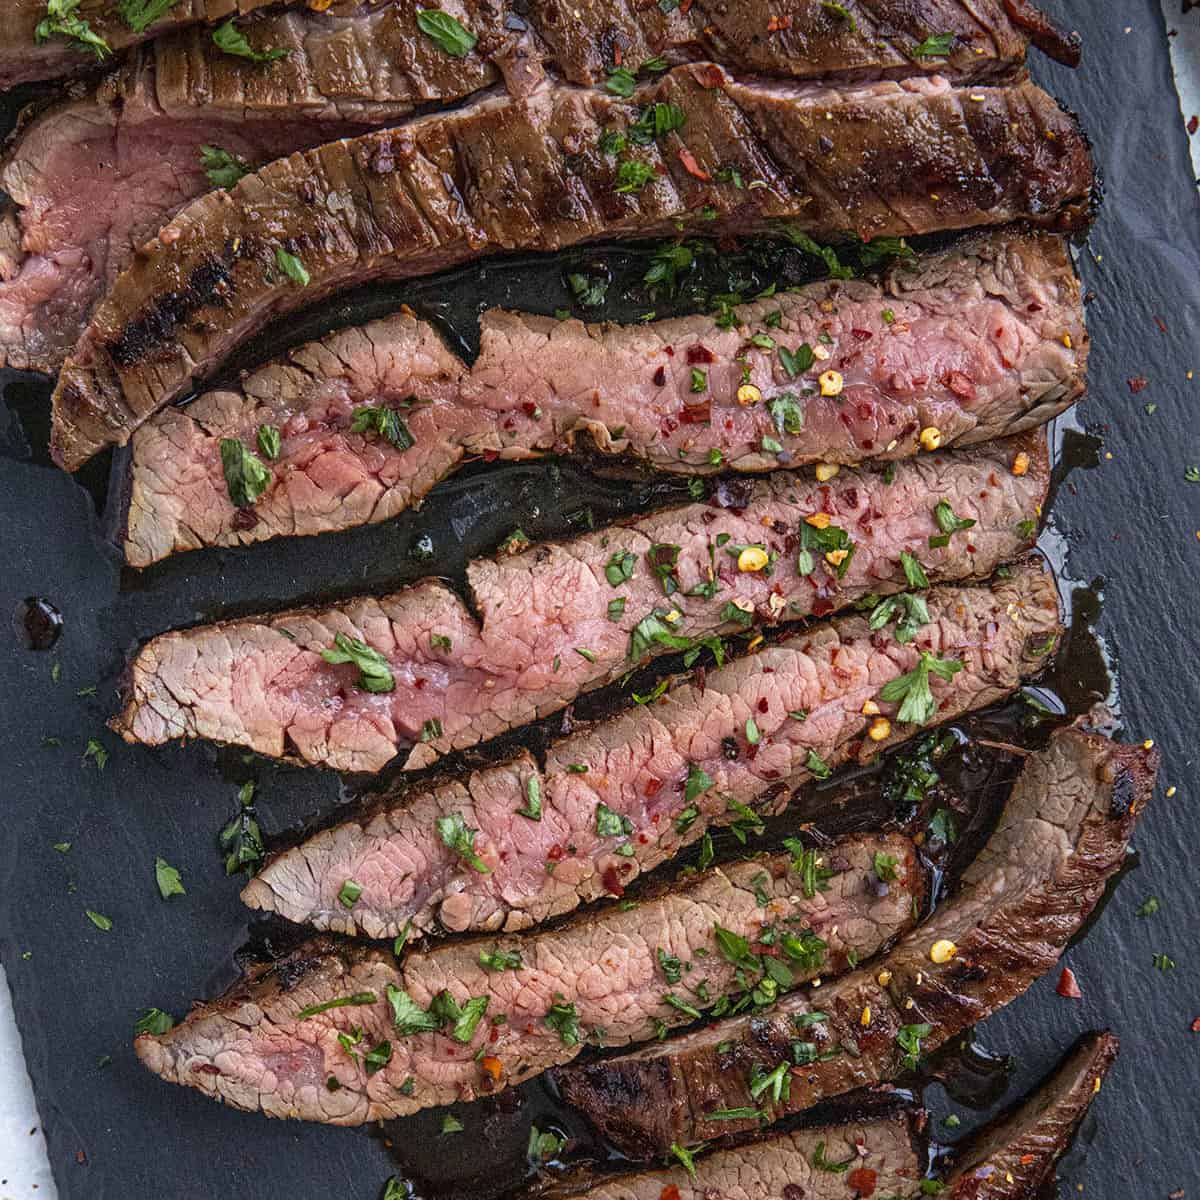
1062	836
547	632
529	173
648	766
978	341
618	976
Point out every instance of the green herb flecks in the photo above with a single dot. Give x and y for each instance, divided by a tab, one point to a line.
222	168
446	32
455	833
913	691
229	39
246	476
167	878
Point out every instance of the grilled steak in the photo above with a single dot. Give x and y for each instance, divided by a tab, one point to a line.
531	173
782	1167
564	618
977	341
671	771
23	58
357	67
1015	1157
733	937
1061	838
1010	1161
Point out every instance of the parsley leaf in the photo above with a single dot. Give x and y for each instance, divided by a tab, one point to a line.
375	674
909	611
407	1015
386	422
913	571
154	1020
453	830
938	45
912	688
446	32
246	477
139	15
62	19
167	878
564	1020
222	168
230	40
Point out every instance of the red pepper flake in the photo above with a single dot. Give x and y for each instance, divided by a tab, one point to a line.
660	376
862	335
529	409
670	1192
1162	325
652	787
555	853
611	879
775	24
490	455
960	385
1196	1025
618	56
1137	384
692	167
700	354
1068	986
1193	124
207	1069
863	1180
696	414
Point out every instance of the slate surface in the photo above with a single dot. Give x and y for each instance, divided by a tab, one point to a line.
1130	523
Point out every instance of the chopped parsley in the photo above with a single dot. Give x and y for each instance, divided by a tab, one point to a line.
818	766
913	571
912	689
155	1021
374	673
455	833
167	878
500	960
62	19
354	1001
672	968
246	477
909	612
797	361
385	422
620	567
532	808
105	924
564	1020
446	32
823	1164
885	867
222	168
349	893
1149	906
408	1016
542	1145
908	1039
948	522
229	39
937	45
698	782
241	839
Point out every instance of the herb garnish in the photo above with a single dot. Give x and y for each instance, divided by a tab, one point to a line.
823	1164
453	830
222	168
532	808
564	1020
619	567
241	840
408	1016
913	571
446	32
913	689
500	960
910	612
246	478
386	422
796	362
374	673
292	267
938	45
62	19
105	924
349	893
230	40
154	1020
270	441
139	15
908	1038
167	878
354	1001
542	1145
948	523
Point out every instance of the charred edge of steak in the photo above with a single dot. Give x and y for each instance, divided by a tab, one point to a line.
1066	48
1013	1157
643	1101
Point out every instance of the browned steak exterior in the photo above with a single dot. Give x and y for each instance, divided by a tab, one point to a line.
1014	1158
609	978
547	629
978	341
782	1167
892	158
670	771
1060	839
23	59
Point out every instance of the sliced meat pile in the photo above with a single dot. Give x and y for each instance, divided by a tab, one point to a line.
625	795
467	1019
1062	836
979	341
538	173
1011	1160
563	618
96	175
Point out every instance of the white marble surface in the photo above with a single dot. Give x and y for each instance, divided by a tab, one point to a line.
24	1170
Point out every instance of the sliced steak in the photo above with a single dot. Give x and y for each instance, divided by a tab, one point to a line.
1010	1161
1014	1158
783	1167
529	173
23	58
669	771
563	618
1062	836
733	937
978	341
97	175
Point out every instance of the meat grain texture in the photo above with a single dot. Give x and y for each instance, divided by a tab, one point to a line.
671	770
978	342
608	979
507	173
547	630
1061	838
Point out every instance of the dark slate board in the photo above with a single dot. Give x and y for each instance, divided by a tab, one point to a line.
1129	525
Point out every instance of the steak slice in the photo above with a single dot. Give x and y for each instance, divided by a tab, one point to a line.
23	59
507	173
1010	1161
97	175
548	629
1015	1156
978	341
733	936
1062	836
671	771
